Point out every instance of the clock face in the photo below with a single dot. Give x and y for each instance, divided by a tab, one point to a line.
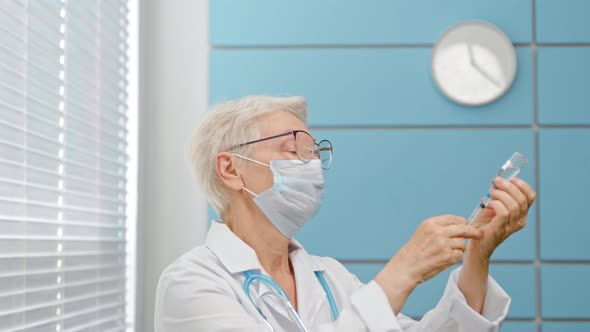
474	63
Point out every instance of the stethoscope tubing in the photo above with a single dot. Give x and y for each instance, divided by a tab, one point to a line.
250	277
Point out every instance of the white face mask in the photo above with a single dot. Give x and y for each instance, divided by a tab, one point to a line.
296	195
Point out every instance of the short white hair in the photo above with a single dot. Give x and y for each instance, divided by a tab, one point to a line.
229	124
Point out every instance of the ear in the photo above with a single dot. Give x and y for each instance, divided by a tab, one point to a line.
227	172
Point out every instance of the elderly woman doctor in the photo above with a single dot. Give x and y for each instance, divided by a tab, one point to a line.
263	173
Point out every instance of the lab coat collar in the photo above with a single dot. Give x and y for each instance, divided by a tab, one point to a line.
232	252
237	256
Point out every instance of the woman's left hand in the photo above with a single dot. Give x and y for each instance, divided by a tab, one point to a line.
505	214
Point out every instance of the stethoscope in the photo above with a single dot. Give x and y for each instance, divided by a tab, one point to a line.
266	279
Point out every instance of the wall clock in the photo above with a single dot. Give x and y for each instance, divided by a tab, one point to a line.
473	63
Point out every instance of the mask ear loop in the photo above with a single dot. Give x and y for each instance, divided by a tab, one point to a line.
244	186
254	161
250	192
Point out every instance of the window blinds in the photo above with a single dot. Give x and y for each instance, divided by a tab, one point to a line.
63	159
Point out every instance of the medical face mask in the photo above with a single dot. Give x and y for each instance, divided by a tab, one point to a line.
296	195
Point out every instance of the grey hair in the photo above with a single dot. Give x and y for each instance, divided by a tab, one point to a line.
229	124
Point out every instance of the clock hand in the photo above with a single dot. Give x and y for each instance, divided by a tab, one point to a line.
471	57
485	74
482	71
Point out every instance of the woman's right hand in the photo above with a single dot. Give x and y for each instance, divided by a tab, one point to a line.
437	244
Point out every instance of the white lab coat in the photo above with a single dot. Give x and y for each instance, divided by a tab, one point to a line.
203	291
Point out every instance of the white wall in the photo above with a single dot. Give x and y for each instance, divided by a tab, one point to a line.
173	96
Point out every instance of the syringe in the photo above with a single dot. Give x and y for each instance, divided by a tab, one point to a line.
510	169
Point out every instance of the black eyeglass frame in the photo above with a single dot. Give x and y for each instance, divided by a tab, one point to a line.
294	133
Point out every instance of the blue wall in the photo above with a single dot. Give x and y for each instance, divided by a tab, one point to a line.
403	152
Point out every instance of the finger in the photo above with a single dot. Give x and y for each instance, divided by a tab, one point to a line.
451	219
528	191
456	256
457	243
508	201
463	231
516	194
499	208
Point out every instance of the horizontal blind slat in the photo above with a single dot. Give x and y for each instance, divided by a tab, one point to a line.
71	177
62	207
64	144
117	76
122	144
97	322
62	238
62	191
30	29
69	222
65	161
56	319
112	66
76	105
59	302
61	254
65	270
64	285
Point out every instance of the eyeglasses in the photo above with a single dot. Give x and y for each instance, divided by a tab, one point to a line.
305	146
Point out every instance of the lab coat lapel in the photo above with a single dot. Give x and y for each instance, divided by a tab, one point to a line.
310	293
238	257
